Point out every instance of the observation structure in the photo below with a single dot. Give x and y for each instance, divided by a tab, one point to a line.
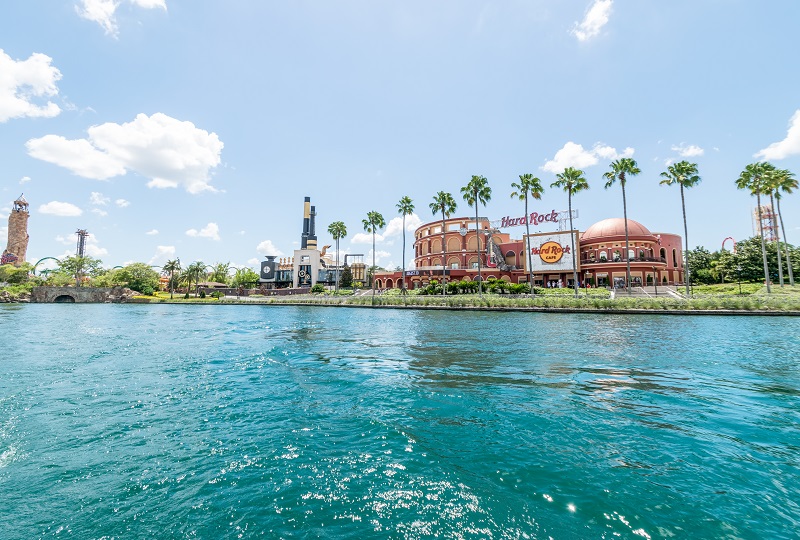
18	237
767	222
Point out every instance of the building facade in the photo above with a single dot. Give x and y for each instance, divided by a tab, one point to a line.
451	252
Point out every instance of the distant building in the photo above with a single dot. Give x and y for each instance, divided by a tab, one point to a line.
18	237
600	258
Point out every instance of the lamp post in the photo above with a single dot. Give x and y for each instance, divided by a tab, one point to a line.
739	278
655	280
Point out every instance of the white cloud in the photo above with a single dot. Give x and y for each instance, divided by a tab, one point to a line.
209	231
163	253
98	199
788	146
101	213
103	12
268	248
122	203
254	261
380	257
24	179
21	82
366	238
595	19
395	225
152	232
574	155
169	152
58	208
685	150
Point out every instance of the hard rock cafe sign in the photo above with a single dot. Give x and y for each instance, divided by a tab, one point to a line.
550	252
534	218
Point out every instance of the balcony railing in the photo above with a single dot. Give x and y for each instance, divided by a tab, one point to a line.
624	259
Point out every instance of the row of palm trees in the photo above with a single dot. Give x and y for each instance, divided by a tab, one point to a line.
759	178
194	272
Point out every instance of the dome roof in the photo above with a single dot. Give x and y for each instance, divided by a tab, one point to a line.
614	227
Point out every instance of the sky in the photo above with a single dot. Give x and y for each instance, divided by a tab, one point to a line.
193	129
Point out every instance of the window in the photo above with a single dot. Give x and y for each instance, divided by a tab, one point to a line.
603	256
617	256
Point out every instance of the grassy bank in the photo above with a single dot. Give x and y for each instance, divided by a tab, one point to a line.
708	298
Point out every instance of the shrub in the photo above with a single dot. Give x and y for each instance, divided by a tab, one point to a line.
202	294
147	290
186	296
318	288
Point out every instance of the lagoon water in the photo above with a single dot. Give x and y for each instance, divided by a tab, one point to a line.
175	421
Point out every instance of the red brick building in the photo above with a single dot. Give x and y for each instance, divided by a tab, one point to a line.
600	256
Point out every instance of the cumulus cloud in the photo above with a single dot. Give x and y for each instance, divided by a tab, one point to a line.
163	253
593	22
788	146
209	231
63	209
152	232
574	155
24	83
24	179
103	12
690	150
122	203
101	213
395	225
170	152
98	199
268	248
366	238
254	262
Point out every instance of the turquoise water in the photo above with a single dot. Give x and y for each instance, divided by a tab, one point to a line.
169	421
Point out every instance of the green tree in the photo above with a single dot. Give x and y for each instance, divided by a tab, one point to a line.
245	277
621	169
373	224
172	267
15	274
754	178
572	181
405	208
528	186
140	277
193	272
445	203
347	277
219	272
783	181
477	192
338	231
78	267
685	175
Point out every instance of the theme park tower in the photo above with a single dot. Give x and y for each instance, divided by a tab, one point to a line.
17	233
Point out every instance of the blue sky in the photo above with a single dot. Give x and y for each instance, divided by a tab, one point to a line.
193	129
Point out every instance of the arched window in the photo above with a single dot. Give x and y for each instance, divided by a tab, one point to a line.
663	254
603	256
674	257
511	258
454	243
617	256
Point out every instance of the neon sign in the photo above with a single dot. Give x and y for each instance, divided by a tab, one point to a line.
533	219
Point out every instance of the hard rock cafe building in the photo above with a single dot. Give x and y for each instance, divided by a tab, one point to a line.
600	257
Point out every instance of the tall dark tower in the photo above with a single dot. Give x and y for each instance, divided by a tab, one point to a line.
82	234
312	229
306	223
18	237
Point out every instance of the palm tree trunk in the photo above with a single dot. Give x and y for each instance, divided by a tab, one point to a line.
786	243
686	239
372	277
444	256
763	243
627	247
336	288
528	246
403	276
478	238
572	241
777	240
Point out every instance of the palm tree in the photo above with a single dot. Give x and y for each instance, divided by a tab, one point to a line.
572	181
475	193
528	186
406	208
445	203
373	222
219	272
621	169
754	179
338	231
171	267
685	175
194	271
783	180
